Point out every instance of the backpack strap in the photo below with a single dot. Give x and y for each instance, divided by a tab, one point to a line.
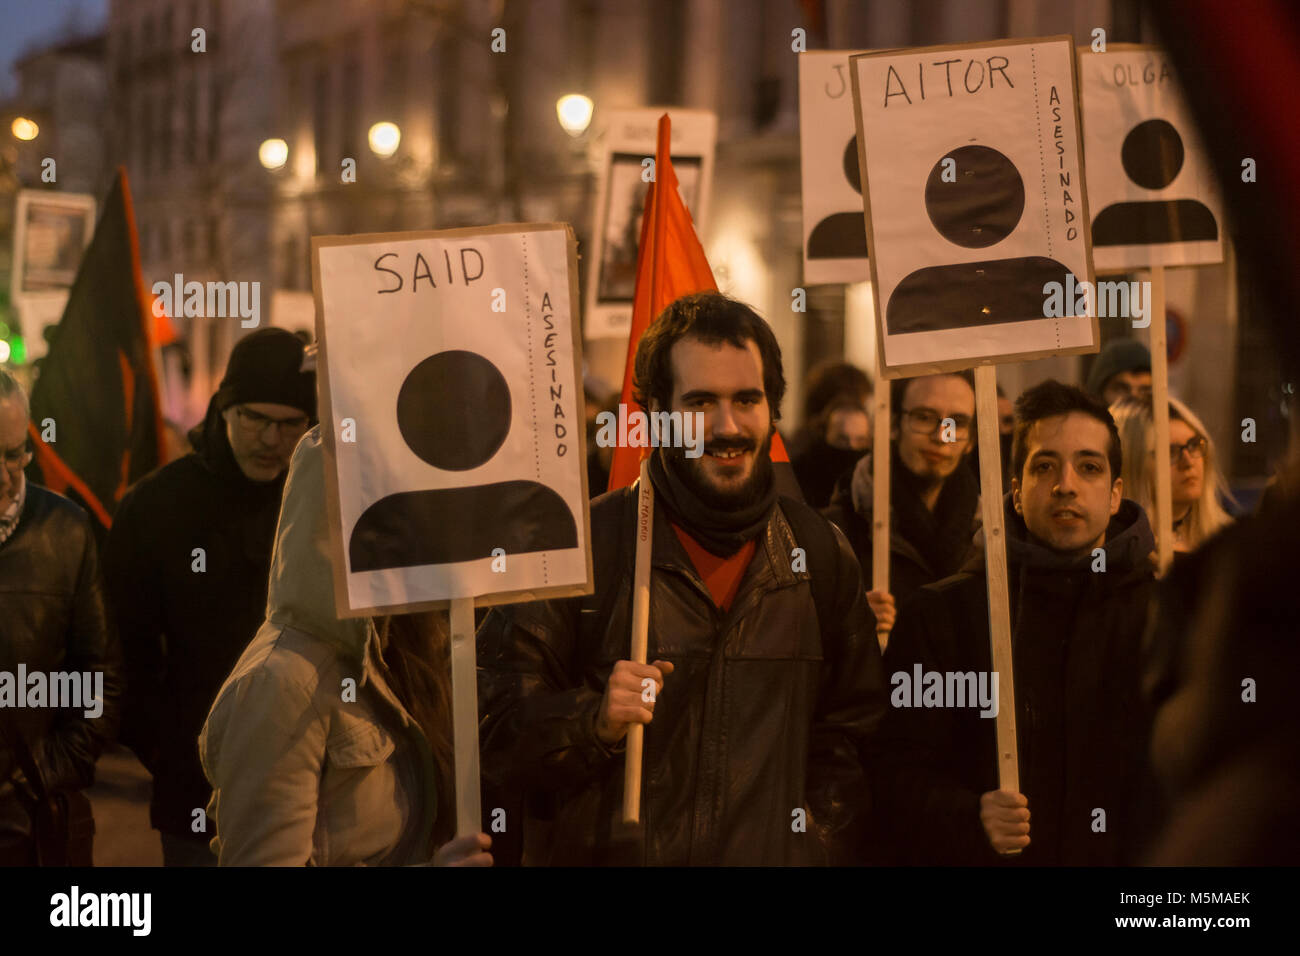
814	534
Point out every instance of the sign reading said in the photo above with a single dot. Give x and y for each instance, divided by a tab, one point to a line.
452	402
975	203
834	236
1150	186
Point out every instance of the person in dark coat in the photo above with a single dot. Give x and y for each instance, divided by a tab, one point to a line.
933	497
187	563
766	677
53	624
1080	579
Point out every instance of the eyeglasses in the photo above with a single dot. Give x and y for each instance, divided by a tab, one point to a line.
255	423
16	459
1195	449
923	421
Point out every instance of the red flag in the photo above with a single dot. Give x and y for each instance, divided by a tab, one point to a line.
670	264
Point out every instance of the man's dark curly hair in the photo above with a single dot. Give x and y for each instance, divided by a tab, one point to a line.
711	318
1053	398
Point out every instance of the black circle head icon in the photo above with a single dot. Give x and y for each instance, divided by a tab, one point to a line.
1152	154
982	200
851	172
453	410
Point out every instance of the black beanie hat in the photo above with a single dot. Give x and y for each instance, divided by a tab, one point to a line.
267	367
1121	355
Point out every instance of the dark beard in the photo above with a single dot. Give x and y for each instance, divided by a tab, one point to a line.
690	471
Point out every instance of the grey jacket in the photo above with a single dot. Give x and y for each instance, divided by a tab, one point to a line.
311	757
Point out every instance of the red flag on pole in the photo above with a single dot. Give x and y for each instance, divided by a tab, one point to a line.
670	264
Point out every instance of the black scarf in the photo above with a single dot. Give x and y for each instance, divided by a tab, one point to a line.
720	532
943	536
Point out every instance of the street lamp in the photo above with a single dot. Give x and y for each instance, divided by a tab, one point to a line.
24	129
574	112
384	138
273	153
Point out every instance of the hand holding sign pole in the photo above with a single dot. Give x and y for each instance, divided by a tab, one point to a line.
455	451
971	166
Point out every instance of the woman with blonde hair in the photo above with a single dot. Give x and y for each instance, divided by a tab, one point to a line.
1196	484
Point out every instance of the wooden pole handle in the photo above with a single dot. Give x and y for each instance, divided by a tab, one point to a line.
645	511
464	708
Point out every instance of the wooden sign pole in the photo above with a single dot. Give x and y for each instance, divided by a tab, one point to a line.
1160	413
464	709
645	513
880	452
995	557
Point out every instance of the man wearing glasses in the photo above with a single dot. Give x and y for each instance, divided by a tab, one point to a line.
933	499
53	622
187	562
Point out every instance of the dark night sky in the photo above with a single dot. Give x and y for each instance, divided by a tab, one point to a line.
24	23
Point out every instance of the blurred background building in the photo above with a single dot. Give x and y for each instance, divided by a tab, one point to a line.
238	152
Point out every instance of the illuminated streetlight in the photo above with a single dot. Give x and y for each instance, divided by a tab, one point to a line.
24	129
273	153
384	138
574	111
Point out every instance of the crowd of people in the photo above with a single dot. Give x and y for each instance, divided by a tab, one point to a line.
798	715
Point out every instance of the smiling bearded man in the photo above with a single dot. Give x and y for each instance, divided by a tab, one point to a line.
765	683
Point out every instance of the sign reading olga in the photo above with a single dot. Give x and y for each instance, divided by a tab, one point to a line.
451	405
973	188
1152	191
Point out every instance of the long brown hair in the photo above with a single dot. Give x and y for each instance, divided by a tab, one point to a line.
416	653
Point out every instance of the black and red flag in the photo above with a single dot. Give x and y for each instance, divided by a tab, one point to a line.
96	397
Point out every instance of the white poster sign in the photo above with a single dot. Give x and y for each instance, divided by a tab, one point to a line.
1150	186
834	235
51	233
975	203
451	402
629	138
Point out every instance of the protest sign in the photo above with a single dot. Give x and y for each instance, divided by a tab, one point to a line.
452	410
834	234
1150	187
629	149
972	168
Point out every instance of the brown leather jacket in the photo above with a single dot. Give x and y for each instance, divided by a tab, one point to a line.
759	726
53	620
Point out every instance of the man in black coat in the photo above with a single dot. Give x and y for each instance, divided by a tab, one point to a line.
60	664
933	495
187	562
1081	577
765	679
